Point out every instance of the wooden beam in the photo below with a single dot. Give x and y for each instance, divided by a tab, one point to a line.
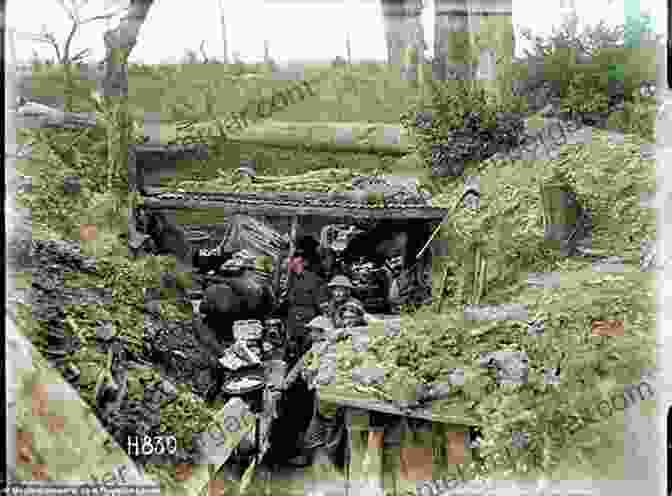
346	214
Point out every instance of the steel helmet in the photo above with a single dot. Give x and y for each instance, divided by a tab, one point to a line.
340	282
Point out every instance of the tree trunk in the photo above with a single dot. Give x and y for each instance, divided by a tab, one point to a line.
118	45
403	34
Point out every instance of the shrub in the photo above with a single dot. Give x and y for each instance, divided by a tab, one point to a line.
558	59
462	122
635	118
584	96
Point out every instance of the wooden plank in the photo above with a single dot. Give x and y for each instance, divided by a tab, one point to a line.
230	208
385	407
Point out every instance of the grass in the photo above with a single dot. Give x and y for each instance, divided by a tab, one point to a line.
367	93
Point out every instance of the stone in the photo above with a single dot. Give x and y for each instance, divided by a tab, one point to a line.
368	375
360	343
456	377
391	135
544	280
105	331
649	259
392	327
551	376
72	184
168	388
609	264
536	327
513	311
512	367
520	440
343	136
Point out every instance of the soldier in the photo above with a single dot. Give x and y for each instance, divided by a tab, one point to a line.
304	294
343	309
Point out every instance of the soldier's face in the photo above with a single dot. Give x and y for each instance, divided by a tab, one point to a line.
340	293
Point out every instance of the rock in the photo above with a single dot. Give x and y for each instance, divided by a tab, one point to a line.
536	327
520	440
551	376
360	343
440	391
105	331
168	388
153	307
512	311
512	366
368	375
649	259
456	377
472	192
392	327
544	280
609	264
326	375
72	184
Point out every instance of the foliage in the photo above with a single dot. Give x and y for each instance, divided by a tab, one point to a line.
509	227
92	156
430	345
463	122
636	118
608	179
185	417
570	56
583	96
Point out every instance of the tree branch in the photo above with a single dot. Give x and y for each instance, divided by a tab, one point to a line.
68	42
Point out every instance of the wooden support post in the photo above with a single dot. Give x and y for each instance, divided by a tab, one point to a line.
560	213
442	294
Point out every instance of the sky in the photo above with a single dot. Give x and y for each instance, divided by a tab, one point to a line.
295	30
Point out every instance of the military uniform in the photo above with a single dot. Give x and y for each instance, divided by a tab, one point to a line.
303	298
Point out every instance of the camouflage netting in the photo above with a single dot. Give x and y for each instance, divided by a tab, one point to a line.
608	178
343	184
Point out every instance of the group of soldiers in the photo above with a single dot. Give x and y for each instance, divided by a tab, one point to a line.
309	296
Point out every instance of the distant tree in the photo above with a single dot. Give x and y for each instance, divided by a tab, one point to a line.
638	30
206	60
190	56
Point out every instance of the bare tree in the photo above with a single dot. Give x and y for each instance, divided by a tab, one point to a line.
63	51
119	42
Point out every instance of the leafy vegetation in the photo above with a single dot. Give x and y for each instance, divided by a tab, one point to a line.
509	230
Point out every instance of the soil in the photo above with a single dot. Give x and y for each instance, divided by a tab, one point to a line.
171	348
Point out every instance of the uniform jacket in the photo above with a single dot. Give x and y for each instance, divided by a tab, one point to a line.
304	295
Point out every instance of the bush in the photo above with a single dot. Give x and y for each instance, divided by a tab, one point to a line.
635	118
599	57
462	122
584	96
